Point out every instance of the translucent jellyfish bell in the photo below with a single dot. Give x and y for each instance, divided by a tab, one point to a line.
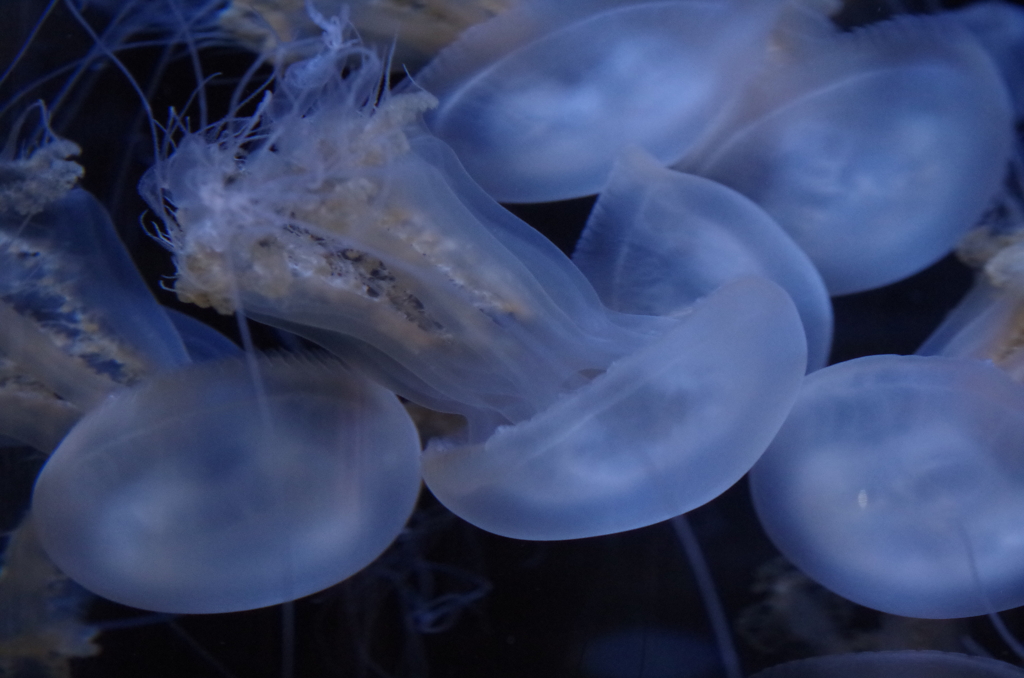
201	491
875	150
657	240
538	101
662	432
897	664
897	483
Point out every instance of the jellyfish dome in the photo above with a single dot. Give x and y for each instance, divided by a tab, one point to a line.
876	150
662	431
894	664
538	101
897	483
201	491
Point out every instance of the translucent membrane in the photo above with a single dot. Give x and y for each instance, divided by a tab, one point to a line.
538	102
905	664
211	489
875	150
663	431
65	267
897	483
658	240
999	26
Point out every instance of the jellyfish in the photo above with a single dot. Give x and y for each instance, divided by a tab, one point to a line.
876	150
894	482
538	101
203	491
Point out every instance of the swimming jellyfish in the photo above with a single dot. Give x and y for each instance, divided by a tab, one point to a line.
876	149
895	482
538	101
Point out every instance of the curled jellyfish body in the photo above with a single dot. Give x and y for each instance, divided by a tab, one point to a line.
538	101
875	150
658	240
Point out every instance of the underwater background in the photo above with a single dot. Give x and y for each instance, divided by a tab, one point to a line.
446	599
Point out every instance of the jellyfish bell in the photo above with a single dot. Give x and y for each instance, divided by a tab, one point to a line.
876	150
894	664
203	490
538	101
657	240
896	483
662	431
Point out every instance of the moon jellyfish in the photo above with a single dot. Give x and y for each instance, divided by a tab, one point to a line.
538	102
896	482
333	215
662	432
658	240
875	150
203	490
894	664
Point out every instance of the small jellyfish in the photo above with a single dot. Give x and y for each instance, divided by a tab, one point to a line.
876	150
658	240
894	664
538	102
